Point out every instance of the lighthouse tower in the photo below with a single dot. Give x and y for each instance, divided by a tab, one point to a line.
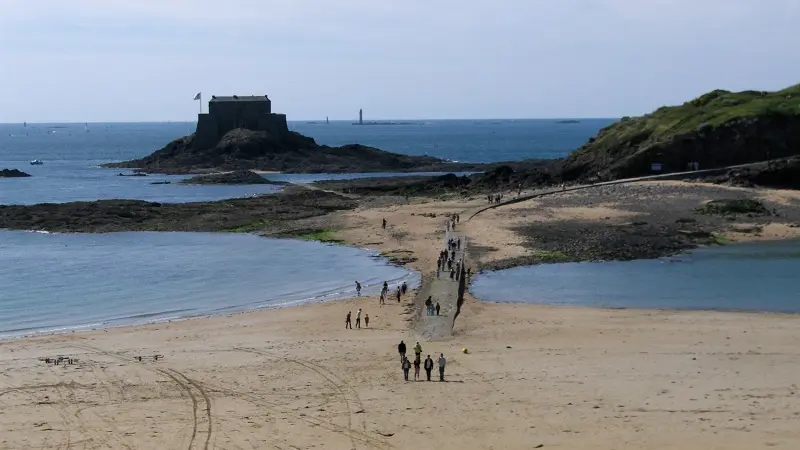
361	117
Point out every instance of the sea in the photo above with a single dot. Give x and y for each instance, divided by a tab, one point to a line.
60	282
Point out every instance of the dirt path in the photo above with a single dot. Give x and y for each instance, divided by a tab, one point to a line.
469	214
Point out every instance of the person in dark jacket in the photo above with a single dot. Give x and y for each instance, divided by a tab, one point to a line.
406	367
401	348
428	367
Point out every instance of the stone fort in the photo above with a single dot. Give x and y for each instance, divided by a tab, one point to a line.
252	112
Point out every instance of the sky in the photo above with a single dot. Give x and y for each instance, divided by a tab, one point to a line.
144	60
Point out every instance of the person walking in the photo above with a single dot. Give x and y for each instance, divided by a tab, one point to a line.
442	363
358	318
398	294
428	367
401	348
384	224
437	308
406	367
418	350
366	320
358	288
416	369
347	323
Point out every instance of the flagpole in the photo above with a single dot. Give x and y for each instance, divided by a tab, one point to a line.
200	99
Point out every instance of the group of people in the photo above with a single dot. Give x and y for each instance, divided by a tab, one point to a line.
427	364
348	321
447	260
399	293
429	304
348	324
451	222
497	198
401	290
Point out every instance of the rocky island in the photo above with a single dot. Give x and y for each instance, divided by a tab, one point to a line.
234	177
13	173
242	133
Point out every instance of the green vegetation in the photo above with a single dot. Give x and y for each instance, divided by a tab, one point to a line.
252	227
550	256
718	239
734	206
709	110
325	235
671	134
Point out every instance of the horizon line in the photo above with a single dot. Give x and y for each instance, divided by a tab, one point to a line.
354	121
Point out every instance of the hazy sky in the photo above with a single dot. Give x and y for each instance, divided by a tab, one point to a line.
143	60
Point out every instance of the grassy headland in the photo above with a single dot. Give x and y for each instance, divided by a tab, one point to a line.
717	129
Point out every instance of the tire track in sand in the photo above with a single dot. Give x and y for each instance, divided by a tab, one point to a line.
184	382
187	384
23	390
342	388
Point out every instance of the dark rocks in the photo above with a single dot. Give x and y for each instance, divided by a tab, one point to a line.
235	177
243	149
734	206
13	173
502	177
665	226
241	215
135	174
780	174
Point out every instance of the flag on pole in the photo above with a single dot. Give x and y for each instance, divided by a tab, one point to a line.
197	97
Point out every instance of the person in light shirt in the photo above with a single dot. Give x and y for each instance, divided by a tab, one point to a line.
442	362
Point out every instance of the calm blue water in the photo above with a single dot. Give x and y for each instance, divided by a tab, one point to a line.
72	155
747	277
51	282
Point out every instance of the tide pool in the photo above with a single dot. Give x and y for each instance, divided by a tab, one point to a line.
739	277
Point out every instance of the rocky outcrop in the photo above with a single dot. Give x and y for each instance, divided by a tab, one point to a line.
779	174
243	149
244	214
235	177
718	129
501	178
13	173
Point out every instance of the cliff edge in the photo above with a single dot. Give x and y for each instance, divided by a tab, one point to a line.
717	129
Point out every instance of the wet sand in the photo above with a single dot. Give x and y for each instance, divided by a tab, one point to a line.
558	377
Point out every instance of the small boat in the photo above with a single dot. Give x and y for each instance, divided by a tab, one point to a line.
36	162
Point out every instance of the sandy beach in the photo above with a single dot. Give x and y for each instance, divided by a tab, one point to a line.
534	376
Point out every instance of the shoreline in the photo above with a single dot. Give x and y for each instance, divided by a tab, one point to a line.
405	257
556	376
413	278
414	288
